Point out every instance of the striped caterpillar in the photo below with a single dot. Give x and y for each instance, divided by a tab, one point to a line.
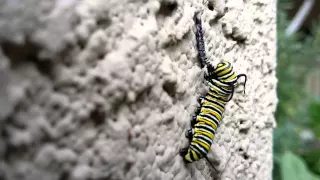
221	80
209	115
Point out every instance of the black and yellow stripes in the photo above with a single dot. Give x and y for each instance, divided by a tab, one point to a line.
225	72
221	80
212	106
207	122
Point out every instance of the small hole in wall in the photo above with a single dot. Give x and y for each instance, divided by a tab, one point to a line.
103	19
103	22
245	156
169	87
27	53
98	115
101	56
210	6
64	175
243	131
167	8
127	167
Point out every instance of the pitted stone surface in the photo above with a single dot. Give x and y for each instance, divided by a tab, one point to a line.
106	89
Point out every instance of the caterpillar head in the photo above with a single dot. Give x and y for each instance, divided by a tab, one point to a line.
224	73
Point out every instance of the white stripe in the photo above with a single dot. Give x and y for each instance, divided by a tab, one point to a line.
228	74
199	147
220	89
222	105
207	126
205	137
212	116
204	130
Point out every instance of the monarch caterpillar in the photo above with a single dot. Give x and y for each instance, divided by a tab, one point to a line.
204	123
221	81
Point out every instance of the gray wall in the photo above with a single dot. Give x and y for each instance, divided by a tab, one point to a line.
98	89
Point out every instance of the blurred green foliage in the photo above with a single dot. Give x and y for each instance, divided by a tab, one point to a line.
297	136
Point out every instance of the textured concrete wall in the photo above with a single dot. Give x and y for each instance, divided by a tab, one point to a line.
105	89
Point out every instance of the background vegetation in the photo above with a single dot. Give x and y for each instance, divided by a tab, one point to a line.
297	136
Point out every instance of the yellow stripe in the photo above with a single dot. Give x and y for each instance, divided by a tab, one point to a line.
214	99
205	146
211	136
213	89
210	111
232	77
208	122
188	158
222	66
206	103
194	155
222	73
209	92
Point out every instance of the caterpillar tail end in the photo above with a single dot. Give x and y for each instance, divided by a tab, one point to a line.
183	152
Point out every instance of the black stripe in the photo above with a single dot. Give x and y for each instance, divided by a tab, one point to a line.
231	74
208	117
219	89
225	88
229	64
194	147
199	137
229	68
210	130
217	97
214	111
213	102
202	152
191	155
212	108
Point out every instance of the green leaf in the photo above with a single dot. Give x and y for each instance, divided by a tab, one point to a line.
314	111
311	155
294	168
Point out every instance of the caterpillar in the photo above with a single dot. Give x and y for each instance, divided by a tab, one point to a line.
221	80
208	115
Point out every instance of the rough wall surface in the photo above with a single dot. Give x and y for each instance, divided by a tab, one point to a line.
97	89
